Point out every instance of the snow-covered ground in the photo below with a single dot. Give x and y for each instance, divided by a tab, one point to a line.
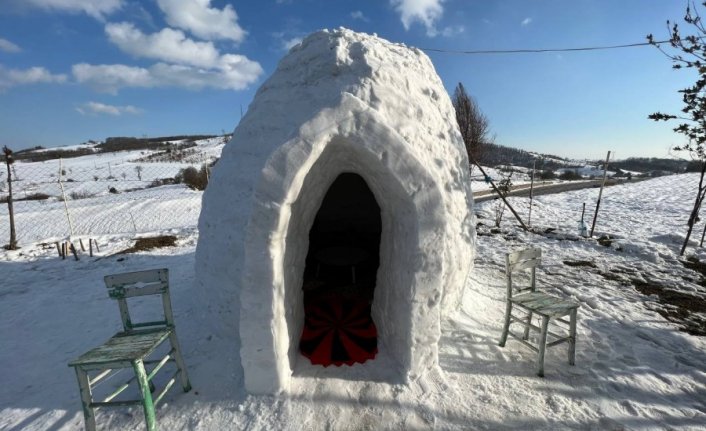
634	368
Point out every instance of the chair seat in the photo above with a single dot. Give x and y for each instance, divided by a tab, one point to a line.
544	304
123	348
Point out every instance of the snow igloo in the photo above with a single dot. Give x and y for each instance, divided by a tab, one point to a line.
352	143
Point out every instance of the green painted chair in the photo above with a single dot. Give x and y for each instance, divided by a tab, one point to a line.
533	302
131	348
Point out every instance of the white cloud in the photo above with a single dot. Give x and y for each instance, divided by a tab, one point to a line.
525	22
428	12
167	45
109	78
184	63
7	46
33	75
101	108
288	44
359	15
234	72
284	41
452	31
202	20
95	8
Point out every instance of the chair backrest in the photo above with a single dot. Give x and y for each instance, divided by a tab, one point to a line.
522	260
140	283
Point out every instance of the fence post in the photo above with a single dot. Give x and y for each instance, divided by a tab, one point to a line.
63	197
13	234
529	217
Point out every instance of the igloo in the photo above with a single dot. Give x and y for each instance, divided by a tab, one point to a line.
364	128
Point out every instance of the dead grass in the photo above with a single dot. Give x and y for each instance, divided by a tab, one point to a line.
144	244
678	307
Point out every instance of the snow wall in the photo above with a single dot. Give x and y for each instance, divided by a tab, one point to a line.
338	102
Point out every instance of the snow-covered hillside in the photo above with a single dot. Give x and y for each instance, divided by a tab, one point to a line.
635	369
106	193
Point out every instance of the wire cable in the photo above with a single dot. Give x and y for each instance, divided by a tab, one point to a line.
533	51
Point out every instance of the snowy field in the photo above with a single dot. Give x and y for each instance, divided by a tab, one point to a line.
635	369
91	209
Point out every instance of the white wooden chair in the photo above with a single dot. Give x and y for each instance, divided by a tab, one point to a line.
131	347
532	302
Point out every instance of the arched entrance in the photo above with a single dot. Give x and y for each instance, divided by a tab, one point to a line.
340	275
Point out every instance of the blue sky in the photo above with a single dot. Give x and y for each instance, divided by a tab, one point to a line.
74	70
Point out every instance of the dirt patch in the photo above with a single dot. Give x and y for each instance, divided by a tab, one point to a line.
144	244
694	264
614	275
605	241
685	309
587	263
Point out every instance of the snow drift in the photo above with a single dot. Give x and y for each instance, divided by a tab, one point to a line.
339	102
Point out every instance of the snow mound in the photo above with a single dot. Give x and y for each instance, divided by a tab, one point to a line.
339	102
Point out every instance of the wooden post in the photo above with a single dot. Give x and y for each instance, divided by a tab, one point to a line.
13	234
529	217
63	250
73	250
80	241
502	197
95	241
90	247
600	193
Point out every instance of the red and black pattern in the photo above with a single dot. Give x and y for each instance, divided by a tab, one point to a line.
338	331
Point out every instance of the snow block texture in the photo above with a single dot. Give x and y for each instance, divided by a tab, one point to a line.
338	102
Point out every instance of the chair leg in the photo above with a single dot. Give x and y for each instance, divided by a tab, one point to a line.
542	346
180	362
147	403
572	335
527	326
506	326
86	399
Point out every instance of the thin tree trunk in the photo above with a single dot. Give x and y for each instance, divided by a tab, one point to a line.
600	193
695	211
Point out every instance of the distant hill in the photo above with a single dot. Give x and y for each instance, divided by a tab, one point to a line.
164	148
645	164
496	155
111	145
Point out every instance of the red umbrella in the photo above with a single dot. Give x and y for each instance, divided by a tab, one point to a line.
338	331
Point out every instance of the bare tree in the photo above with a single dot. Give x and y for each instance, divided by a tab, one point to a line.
139	169
474	125
475	131
13	235
689	52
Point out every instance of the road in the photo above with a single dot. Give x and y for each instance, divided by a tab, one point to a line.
548	189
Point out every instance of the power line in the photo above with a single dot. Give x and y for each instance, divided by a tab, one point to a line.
532	51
